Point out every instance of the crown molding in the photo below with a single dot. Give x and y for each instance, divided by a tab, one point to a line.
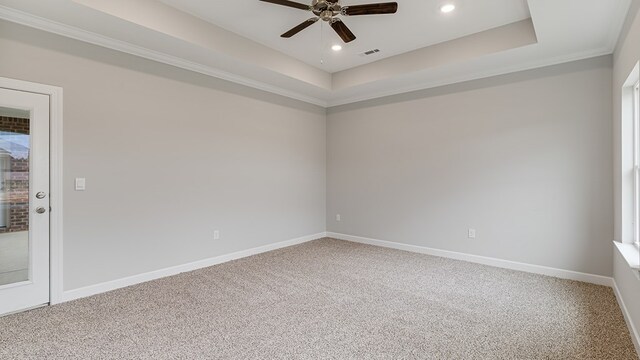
615	31
473	76
23	18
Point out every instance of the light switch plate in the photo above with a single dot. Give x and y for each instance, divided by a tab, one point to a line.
80	184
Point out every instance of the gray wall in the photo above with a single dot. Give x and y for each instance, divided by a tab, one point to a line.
627	54
169	156
525	159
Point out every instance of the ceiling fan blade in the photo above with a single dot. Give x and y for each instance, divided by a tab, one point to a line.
370	9
299	28
288	3
342	30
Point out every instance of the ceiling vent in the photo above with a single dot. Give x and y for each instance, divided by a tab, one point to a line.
370	52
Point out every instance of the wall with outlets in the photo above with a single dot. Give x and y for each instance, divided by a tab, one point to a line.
515	167
164	167
169	157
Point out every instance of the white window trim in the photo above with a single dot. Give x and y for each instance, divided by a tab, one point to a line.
636	164
630	172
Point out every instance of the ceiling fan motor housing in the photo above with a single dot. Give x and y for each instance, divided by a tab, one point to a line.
325	9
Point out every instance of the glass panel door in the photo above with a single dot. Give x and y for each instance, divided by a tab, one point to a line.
24	200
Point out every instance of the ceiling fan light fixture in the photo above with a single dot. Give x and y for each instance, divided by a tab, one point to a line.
336	47
331	12
447	8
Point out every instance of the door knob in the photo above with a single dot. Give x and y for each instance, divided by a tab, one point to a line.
40	210
41	195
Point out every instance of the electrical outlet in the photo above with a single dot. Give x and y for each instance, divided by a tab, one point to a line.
472	233
338	218
216	235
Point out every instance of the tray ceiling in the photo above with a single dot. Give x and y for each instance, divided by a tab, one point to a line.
417	24
420	46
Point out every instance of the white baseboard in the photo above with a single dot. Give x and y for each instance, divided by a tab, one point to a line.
506	264
157	274
635	336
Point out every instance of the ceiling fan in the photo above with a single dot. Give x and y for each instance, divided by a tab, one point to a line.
328	10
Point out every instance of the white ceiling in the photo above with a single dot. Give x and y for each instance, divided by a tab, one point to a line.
418	23
421	48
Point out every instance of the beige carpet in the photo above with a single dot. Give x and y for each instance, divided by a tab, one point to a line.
330	299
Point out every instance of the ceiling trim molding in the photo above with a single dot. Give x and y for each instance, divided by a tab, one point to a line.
40	23
474	76
616	26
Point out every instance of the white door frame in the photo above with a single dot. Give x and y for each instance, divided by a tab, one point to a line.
56	289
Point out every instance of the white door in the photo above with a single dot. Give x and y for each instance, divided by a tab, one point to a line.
24	200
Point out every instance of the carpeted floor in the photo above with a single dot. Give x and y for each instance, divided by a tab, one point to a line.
331	299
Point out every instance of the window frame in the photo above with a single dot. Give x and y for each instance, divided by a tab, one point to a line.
636	164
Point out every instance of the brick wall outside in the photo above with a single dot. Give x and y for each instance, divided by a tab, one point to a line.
16	177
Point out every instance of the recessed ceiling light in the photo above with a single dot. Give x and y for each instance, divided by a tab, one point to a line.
336	47
447	8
